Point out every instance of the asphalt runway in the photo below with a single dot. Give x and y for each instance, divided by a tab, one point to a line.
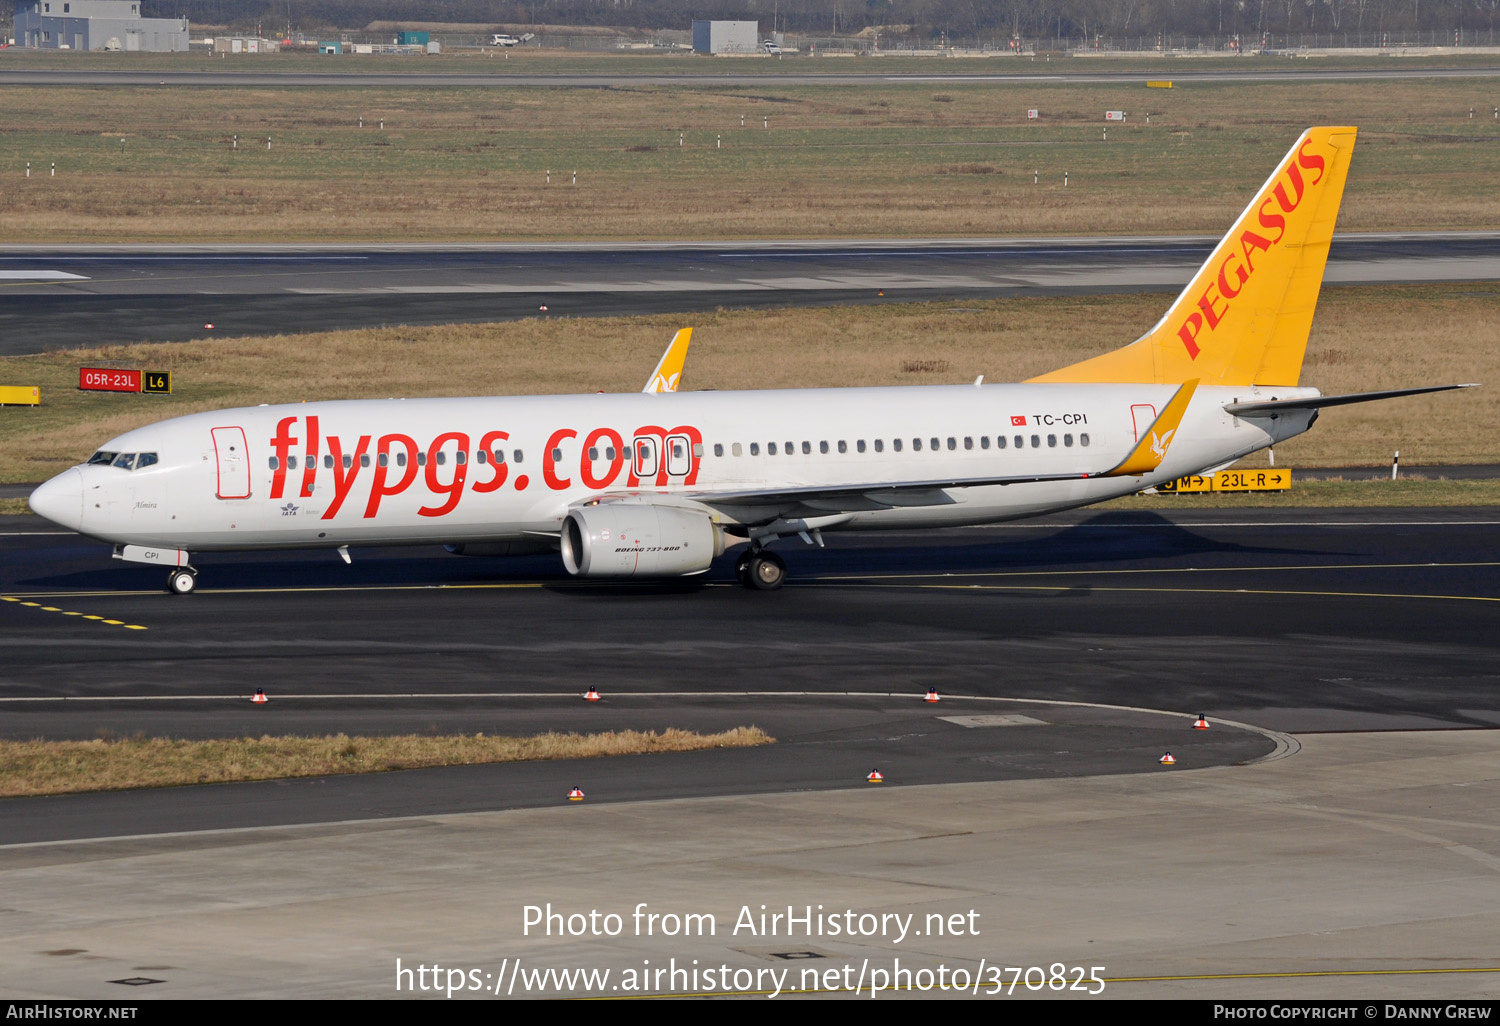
55	297
1268	69
1286	621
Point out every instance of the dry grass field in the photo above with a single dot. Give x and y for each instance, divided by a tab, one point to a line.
1363	339
897	158
63	767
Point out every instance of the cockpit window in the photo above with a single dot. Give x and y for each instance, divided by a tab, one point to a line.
102	458
147	459
125	460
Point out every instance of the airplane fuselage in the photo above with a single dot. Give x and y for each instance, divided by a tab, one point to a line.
491	469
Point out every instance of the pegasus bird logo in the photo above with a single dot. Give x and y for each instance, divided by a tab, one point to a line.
1159	444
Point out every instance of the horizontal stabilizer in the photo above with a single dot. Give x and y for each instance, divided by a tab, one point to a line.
1319	401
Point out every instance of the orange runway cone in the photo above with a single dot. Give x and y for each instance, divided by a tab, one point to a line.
1167	760
592	695
575	795
260	697
932	695
875	777
1200	723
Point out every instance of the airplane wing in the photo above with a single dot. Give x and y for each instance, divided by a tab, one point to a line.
1143	459
669	371
1270	406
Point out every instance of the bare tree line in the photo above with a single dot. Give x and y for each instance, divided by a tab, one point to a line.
918	19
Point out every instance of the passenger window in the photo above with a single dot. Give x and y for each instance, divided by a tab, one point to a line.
676	451
593	452
916	445
442	458
843	445
421	459
556	456
736	449
789	448
291	461
806	448
1052	441
516	455
823	448
935	445
274	462
859	446
147	459
364	459
895	444
348	461
328	461
952	443
461	457
497	456
718	449
1068	441
698	450
770	448
609	454
1036	441
984	441
1020	442
400	459
754	448
1083	439
481	457
383	460
968	442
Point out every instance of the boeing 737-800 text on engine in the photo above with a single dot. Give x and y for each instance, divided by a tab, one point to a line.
659	483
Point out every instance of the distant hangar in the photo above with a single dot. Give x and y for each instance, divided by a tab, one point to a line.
96	25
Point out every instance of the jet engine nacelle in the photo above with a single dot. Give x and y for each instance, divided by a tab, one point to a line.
627	539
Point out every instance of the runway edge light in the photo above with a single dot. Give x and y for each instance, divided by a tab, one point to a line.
1201	723
875	777
260	697
1167	760
575	795
592	695
932	695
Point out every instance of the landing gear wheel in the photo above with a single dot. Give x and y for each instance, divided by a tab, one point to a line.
181	582
765	572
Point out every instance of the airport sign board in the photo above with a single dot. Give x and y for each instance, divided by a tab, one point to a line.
114	379
1271	480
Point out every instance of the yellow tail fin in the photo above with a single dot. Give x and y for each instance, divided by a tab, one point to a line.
1245	316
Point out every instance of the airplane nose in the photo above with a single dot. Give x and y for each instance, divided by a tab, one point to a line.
60	500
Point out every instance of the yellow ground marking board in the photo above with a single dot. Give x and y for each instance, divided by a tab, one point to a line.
1158	85
20	395
1272	480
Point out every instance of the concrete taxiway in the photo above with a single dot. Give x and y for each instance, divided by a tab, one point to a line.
1340	844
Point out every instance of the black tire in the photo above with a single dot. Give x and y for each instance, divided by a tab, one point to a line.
766	572
181	582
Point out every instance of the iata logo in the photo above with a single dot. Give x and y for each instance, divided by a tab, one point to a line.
289	510
1235	271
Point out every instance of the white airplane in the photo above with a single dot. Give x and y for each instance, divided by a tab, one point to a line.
658	484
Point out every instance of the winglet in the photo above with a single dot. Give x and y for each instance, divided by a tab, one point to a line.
669	371
1152	448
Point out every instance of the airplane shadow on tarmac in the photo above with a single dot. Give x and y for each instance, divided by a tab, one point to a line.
1108	540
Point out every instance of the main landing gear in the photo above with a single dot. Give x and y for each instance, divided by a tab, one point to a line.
760	570
182	581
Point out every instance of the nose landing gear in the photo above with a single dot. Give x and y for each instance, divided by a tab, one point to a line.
183	581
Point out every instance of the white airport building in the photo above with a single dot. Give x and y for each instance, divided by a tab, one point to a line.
96	25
